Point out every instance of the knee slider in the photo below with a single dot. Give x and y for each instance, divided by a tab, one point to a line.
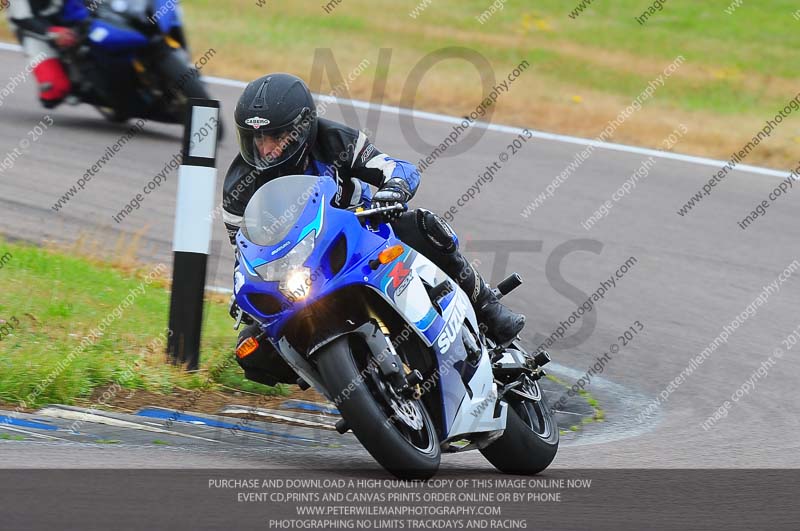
439	233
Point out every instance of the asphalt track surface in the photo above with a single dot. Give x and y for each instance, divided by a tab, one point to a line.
694	274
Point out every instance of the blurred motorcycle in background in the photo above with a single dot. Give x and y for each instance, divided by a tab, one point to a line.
133	62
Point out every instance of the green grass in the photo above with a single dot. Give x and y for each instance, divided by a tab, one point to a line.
759	38
58	299
598	416
739	70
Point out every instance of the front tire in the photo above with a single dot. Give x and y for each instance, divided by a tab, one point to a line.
530	441
394	444
183	81
114	116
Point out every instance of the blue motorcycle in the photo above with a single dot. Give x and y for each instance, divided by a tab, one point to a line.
133	62
385	335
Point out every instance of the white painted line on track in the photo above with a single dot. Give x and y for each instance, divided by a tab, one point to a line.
242	410
81	416
10	47
499	128
31	433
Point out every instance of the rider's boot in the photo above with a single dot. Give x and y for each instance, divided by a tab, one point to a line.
501	324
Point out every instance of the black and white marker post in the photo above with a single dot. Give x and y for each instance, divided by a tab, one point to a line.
197	178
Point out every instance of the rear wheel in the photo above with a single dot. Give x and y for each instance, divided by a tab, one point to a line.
397	431
530	441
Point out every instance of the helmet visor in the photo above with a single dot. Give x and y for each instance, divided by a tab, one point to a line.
265	147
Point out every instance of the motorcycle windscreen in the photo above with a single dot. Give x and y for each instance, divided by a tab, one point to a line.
167	14
276	207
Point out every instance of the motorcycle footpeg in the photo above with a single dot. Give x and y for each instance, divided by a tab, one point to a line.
541	358
507	285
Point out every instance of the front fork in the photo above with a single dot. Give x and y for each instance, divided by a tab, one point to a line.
404	381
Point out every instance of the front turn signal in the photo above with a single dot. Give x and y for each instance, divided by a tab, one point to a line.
247	347
387	255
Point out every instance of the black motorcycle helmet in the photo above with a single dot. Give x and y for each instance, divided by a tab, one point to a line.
276	122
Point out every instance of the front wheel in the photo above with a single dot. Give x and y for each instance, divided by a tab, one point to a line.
530	441
115	116
182	82
396	431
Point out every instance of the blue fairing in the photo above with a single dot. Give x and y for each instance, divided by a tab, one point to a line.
392	281
113	34
169	14
328	223
111	38
74	11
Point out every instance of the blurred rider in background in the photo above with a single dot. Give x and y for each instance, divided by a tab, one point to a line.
44	27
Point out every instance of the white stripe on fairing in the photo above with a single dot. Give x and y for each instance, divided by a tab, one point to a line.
196	186
498	128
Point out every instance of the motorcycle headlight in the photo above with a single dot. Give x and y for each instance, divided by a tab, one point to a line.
294	277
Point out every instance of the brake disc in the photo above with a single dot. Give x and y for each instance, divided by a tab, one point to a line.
407	411
403	409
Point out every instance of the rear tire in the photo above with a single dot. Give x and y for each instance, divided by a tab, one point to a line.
366	414
530	441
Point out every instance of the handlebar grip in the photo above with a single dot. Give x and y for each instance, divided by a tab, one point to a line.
372	211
